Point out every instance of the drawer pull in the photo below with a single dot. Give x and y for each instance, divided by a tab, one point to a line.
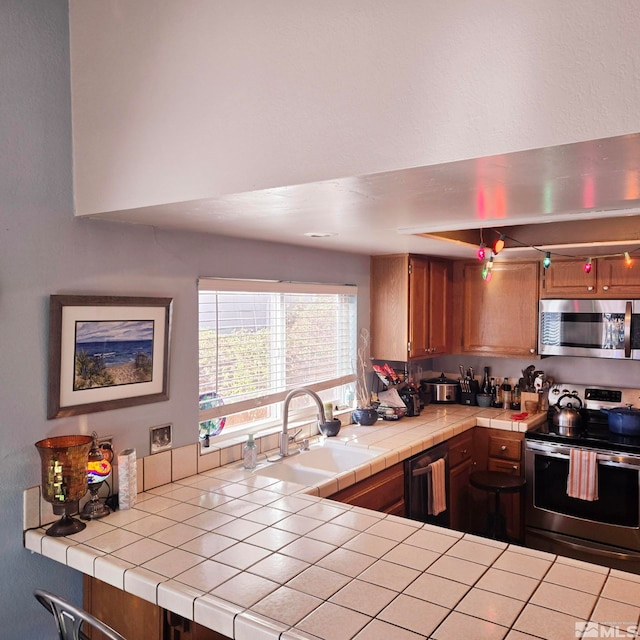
503	447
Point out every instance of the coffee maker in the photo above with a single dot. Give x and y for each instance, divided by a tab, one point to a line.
411	398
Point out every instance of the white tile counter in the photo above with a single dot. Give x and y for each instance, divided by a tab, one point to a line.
255	558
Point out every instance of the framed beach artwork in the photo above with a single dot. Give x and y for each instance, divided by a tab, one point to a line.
107	352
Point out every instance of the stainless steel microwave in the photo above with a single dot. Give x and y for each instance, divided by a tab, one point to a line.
591	328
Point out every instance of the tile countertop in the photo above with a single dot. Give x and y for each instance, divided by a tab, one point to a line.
255	558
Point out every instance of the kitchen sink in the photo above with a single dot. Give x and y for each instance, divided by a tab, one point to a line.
321	462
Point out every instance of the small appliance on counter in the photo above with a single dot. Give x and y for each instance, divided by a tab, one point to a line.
442	389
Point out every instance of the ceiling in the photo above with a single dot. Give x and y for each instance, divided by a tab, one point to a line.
561	198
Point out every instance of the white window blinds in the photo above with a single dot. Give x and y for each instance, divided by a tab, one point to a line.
260	339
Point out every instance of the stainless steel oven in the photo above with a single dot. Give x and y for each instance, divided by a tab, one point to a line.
604	531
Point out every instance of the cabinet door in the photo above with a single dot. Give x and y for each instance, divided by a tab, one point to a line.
567	279
439	307
389	307
459	498
418	307
382	491
500	317
129	615
617	280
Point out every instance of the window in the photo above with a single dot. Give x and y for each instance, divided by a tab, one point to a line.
260	339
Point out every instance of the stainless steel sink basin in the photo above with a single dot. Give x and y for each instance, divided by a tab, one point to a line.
321	462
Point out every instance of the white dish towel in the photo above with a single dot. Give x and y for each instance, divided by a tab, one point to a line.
582	482
438	487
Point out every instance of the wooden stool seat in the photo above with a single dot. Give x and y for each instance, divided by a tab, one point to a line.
497	483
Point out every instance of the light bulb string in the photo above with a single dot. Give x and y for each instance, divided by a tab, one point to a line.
620	254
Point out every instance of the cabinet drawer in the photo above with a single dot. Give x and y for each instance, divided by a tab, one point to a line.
503	466
504	448
460	451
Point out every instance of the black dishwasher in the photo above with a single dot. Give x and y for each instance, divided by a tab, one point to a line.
418	487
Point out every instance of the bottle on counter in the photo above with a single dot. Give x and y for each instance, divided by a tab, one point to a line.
516	397
250	453
485	387
506	393
492	391
497	397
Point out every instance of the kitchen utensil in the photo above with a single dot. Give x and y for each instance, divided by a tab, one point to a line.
443	389
567	418
624	420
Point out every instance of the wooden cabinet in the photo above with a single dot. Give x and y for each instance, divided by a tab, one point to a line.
502	451
383	491
409	307
137	619
461	464
609	278
499	317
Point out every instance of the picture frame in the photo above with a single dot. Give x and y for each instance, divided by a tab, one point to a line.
161	437
107	352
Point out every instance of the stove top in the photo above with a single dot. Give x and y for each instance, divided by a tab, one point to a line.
594	432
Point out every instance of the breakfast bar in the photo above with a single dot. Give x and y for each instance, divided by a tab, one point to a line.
254	557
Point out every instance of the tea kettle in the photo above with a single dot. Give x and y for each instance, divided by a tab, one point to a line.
568	419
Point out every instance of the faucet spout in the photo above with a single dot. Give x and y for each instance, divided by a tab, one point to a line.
284	436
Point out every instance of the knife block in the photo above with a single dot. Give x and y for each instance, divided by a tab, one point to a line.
469	397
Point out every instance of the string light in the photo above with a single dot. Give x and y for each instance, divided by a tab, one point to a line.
499	245
487	270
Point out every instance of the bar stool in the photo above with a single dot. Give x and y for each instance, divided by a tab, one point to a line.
497	483
69	618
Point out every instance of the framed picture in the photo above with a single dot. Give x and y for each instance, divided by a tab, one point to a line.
107	352
161	438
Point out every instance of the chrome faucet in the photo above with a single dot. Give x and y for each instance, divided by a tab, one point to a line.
284	436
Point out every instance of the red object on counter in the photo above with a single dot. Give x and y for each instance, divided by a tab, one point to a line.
519	416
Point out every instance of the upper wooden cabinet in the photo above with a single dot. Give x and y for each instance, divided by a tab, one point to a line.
609	278
409	307
499	317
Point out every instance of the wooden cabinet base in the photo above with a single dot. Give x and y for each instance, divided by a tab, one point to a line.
382	491
137	619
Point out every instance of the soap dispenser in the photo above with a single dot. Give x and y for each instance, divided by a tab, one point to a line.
250	453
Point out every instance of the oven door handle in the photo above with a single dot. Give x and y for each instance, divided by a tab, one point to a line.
420	471
627	462
596	551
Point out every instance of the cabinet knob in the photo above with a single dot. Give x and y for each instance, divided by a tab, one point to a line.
464	452
503	447
532	350
589	288
515	468
606	287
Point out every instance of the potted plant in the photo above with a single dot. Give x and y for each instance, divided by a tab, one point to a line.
365	413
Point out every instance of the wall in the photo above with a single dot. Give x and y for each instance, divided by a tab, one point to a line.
253	94
584	371
45	250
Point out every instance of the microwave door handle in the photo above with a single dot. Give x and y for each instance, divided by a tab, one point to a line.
627	330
